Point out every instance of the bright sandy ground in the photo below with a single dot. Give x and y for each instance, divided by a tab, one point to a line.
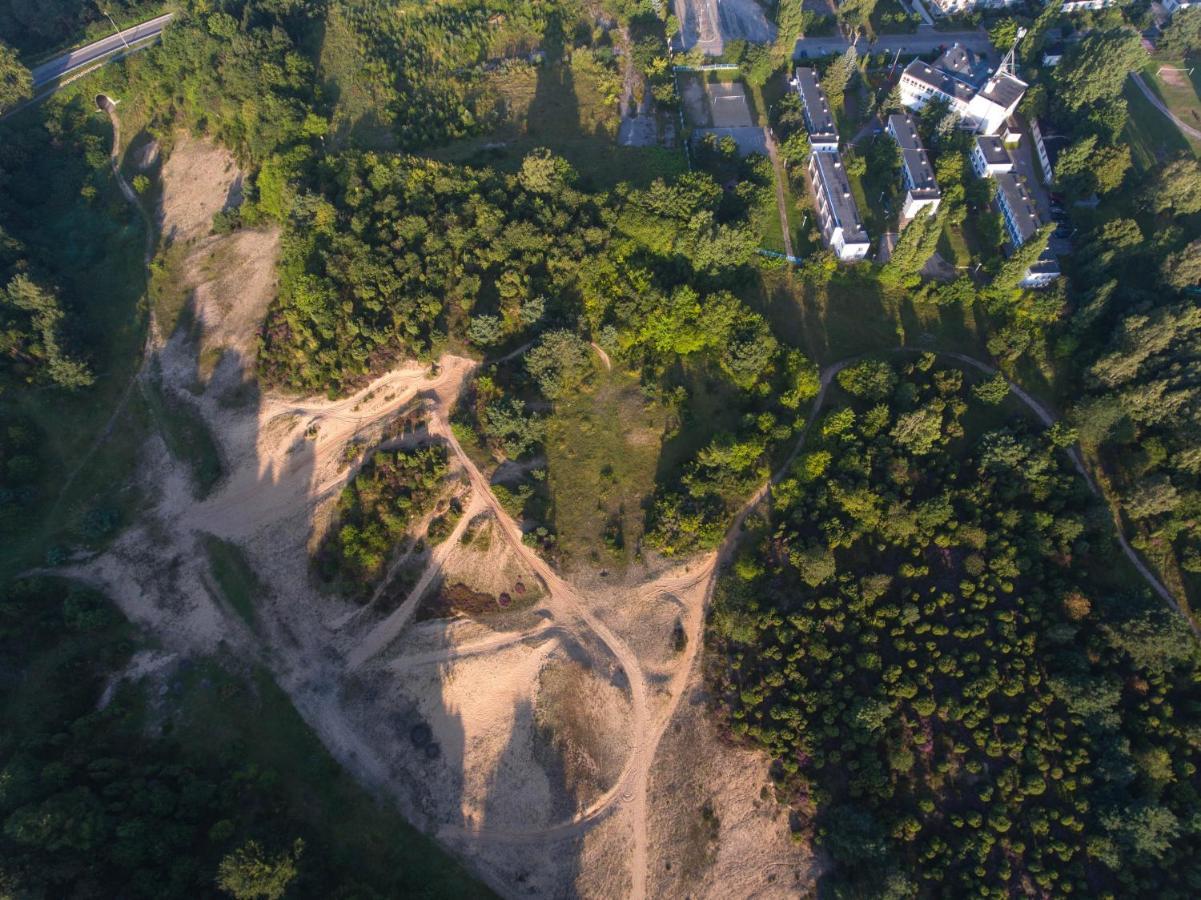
574	756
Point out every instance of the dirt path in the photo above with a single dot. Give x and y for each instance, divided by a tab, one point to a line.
1162	107
150	339
604	357
781	200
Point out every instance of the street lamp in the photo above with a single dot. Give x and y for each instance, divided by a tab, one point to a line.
114	24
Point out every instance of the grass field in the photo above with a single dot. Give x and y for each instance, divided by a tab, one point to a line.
1151	135
851	315
1179	91
602	449
572	109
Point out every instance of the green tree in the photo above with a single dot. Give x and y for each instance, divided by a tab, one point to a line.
1183	268
1095	69
838	76
16	84
1177	189
560	363
249	873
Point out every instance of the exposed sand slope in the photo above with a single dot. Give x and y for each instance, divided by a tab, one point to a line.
467	724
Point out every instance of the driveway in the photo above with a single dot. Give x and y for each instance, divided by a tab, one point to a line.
924	40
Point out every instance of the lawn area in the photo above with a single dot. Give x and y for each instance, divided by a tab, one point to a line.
1179	92
602	449
1151	135
851	315
573	110
360	86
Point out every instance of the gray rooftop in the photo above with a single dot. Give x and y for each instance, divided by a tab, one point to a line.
1017	198
818	118
1004	90
963	64
837	189
932	76
993	149
914	157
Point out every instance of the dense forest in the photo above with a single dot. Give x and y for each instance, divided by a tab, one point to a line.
930	637
233	797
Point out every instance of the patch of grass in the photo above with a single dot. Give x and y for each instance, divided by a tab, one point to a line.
1183	99
240	587
187	436
602	445
223	715
360	87
169	291
1151	135
851	315
571	109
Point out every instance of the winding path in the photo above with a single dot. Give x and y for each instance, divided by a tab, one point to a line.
1154	100
632	786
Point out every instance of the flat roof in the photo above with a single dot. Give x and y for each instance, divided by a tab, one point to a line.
833	178
1025	216
1003	90
817	106
943	82
993	149
914	157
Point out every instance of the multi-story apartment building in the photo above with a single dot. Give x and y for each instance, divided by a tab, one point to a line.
917	175
1022	221
837	212
819	121
989	156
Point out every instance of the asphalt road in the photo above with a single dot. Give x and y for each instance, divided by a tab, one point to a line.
60	66
923	40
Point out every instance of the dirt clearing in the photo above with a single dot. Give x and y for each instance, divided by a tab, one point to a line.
525	738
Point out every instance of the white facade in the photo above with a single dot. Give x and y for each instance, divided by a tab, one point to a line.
989	157
836	209
983	106
917	175
1172	5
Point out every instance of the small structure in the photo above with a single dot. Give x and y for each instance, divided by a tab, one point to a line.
1069	6
842	228
917	175
983	101
1053	55
989	156
1172	5
819	121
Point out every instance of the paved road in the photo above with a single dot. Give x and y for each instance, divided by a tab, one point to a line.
138	35
922	41
1159	104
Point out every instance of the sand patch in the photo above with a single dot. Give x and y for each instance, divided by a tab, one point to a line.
200	179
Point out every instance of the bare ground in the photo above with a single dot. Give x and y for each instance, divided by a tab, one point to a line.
528	741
